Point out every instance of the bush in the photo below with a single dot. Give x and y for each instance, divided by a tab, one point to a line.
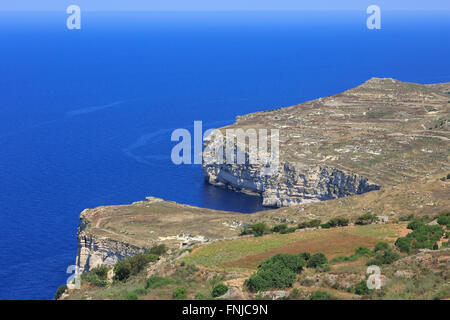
381	246
383	255
362	289
219	290
305	256
259	229
279	227
132	265
101	272
338	222
180	293
314	223
59	292
317	260
288	230
366	218
264	279
200	296
422	237
444	220
131	296
158	250
278	272
363	251
157	282
320	295
325	226
309	224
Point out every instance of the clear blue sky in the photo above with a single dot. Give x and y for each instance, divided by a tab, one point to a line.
224	4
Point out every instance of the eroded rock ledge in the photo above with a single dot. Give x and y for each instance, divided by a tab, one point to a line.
384	132
292	185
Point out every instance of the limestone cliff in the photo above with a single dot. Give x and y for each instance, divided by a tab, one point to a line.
93	250
292	185
382	133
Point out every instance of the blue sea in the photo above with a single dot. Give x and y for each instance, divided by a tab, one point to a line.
86	115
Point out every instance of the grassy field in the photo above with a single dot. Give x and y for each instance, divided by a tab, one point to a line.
247	253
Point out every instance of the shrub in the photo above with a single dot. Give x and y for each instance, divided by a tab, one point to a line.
246	231
278	271
100	271
157	282
305	256
408	217
200	296
122	271
259	229
381	246
279	227
219	290
277	277
383	255
132	265
131	296
288	230
314	223
325	226
320	295
363	251
290	261
338	222
294	293
415	224
361	288
317	260
309	224
422	237
444	221
366	218
180	293
158	249
59	292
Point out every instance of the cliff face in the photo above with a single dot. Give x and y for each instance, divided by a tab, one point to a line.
93	251
292	184
382	133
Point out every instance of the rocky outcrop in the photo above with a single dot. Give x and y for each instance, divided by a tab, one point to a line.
93	251
291	184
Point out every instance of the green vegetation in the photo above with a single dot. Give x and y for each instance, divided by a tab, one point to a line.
359	252
361	288
444	218
321	295
180	293
97	276
309	224
366	218
219	290
279	227
132	265
157	282
338	222
278	272
258	230
317	260
423	237
383	255
60	291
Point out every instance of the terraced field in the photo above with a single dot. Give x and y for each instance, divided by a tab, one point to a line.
246	253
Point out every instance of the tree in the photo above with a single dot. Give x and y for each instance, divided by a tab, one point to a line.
219	290
317	260
259	229
366	218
